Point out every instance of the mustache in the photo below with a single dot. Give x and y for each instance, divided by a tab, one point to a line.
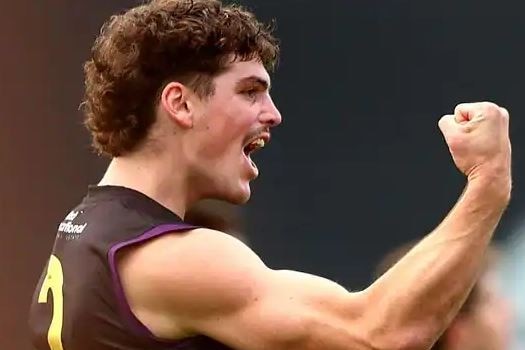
257	132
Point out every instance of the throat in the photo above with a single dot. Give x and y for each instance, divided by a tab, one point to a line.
170	191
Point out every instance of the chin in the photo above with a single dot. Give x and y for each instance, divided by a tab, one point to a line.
241	193
234	199
244	199
240	197
237	195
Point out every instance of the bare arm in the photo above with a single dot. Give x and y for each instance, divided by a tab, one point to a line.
421	294
209	283
219	287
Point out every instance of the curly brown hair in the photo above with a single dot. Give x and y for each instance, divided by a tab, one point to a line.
142	49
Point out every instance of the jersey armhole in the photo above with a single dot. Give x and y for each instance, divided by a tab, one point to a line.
129	318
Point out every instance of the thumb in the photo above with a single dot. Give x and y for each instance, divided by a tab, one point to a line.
464	112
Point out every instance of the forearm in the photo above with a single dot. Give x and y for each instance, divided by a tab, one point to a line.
422	293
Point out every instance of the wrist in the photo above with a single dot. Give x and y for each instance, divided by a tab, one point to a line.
496	186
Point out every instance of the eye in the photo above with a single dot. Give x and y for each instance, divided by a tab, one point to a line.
251	93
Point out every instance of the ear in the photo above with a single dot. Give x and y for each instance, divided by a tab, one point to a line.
176	101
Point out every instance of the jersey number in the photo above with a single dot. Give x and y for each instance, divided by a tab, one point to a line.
53	282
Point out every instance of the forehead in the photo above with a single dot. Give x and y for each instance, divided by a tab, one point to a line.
239	70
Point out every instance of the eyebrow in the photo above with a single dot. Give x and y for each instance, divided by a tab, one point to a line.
256	80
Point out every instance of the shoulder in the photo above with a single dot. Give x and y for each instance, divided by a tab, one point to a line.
183	269
194	248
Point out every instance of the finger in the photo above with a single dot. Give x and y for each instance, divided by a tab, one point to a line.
447	123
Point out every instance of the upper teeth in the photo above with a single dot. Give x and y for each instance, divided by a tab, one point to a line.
259	143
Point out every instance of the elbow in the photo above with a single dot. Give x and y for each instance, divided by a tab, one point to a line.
386	328
385	337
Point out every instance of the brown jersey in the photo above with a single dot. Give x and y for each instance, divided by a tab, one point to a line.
79	303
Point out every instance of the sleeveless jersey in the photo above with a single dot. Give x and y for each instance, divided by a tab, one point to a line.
79	303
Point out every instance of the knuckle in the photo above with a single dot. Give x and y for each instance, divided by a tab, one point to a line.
504	112
443	120
490	107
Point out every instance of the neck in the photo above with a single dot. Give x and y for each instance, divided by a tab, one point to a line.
157	178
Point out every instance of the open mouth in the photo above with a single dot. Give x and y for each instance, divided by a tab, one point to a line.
253	146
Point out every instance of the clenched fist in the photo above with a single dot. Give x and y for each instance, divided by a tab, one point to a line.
477	135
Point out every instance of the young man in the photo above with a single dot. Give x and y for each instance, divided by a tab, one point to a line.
177	94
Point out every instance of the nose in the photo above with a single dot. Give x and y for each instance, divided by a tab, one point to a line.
271	115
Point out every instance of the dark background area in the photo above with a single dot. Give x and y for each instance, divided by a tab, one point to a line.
357	167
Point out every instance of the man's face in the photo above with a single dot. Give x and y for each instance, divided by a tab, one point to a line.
235	120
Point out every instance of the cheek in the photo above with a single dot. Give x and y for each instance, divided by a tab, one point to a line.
224	132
